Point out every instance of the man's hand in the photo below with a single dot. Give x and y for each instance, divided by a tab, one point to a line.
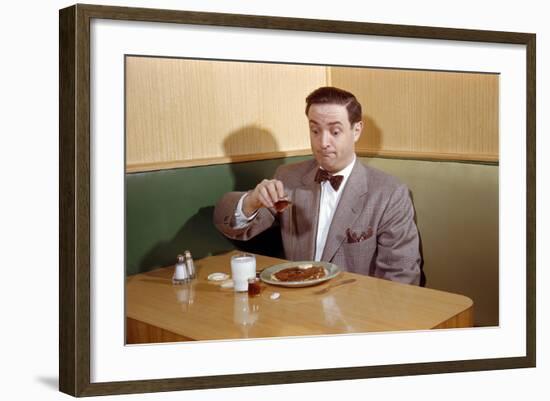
265	194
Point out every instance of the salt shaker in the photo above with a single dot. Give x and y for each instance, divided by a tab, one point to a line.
181	275
191	272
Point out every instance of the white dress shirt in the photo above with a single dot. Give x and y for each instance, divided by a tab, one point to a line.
241	221
327	206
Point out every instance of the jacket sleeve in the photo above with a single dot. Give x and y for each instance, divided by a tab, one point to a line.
398	254
224	218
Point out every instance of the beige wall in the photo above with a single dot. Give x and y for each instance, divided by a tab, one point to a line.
182	113
189	112
427	114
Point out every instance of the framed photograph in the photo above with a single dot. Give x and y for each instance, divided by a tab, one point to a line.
161	112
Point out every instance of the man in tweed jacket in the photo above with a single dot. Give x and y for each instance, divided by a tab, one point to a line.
342	211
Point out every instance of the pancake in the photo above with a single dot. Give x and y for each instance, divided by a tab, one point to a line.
300	273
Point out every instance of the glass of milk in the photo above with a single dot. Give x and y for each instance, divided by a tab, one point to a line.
243	267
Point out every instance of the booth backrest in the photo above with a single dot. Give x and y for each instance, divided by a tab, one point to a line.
169	211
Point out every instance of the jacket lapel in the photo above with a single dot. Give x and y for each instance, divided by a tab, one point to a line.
306	216
349	208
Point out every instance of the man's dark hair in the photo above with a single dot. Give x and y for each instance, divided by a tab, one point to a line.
332	95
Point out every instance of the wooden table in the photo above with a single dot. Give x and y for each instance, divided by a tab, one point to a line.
158	311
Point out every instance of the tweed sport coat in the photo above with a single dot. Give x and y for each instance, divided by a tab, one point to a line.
372	232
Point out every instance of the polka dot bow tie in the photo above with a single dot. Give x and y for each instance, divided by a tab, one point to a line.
335	180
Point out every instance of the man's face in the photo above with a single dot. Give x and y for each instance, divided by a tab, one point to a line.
331	135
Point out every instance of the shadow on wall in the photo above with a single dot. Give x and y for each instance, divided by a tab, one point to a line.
371	138
198	233
269	242
249	140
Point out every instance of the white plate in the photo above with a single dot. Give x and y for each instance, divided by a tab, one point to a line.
331	269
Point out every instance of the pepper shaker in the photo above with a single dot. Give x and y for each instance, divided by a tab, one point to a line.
191	272
181	275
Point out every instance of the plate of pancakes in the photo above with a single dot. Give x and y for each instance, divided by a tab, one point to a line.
299	274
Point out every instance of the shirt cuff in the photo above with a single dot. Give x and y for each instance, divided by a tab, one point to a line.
241	221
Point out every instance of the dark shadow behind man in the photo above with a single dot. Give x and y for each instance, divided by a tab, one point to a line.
198	233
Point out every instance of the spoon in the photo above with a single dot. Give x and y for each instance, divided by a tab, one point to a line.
325	290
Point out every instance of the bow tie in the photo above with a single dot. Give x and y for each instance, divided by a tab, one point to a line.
335	180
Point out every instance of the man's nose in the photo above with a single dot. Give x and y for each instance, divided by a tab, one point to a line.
325	140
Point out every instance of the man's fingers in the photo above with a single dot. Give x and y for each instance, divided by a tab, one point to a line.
265	198
272	190
280	189
269	191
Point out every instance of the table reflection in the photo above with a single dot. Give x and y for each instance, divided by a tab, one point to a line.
185	295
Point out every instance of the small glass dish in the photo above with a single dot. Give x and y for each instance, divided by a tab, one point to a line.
281	205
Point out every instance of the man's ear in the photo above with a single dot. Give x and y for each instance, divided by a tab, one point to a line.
357	130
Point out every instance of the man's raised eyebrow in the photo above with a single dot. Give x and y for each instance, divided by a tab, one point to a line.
331	123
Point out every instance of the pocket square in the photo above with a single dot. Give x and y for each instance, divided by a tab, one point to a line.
358	237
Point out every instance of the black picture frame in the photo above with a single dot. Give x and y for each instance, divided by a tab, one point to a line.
74	198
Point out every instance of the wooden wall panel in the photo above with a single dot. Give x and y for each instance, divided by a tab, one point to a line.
183	112
425	114
193	112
